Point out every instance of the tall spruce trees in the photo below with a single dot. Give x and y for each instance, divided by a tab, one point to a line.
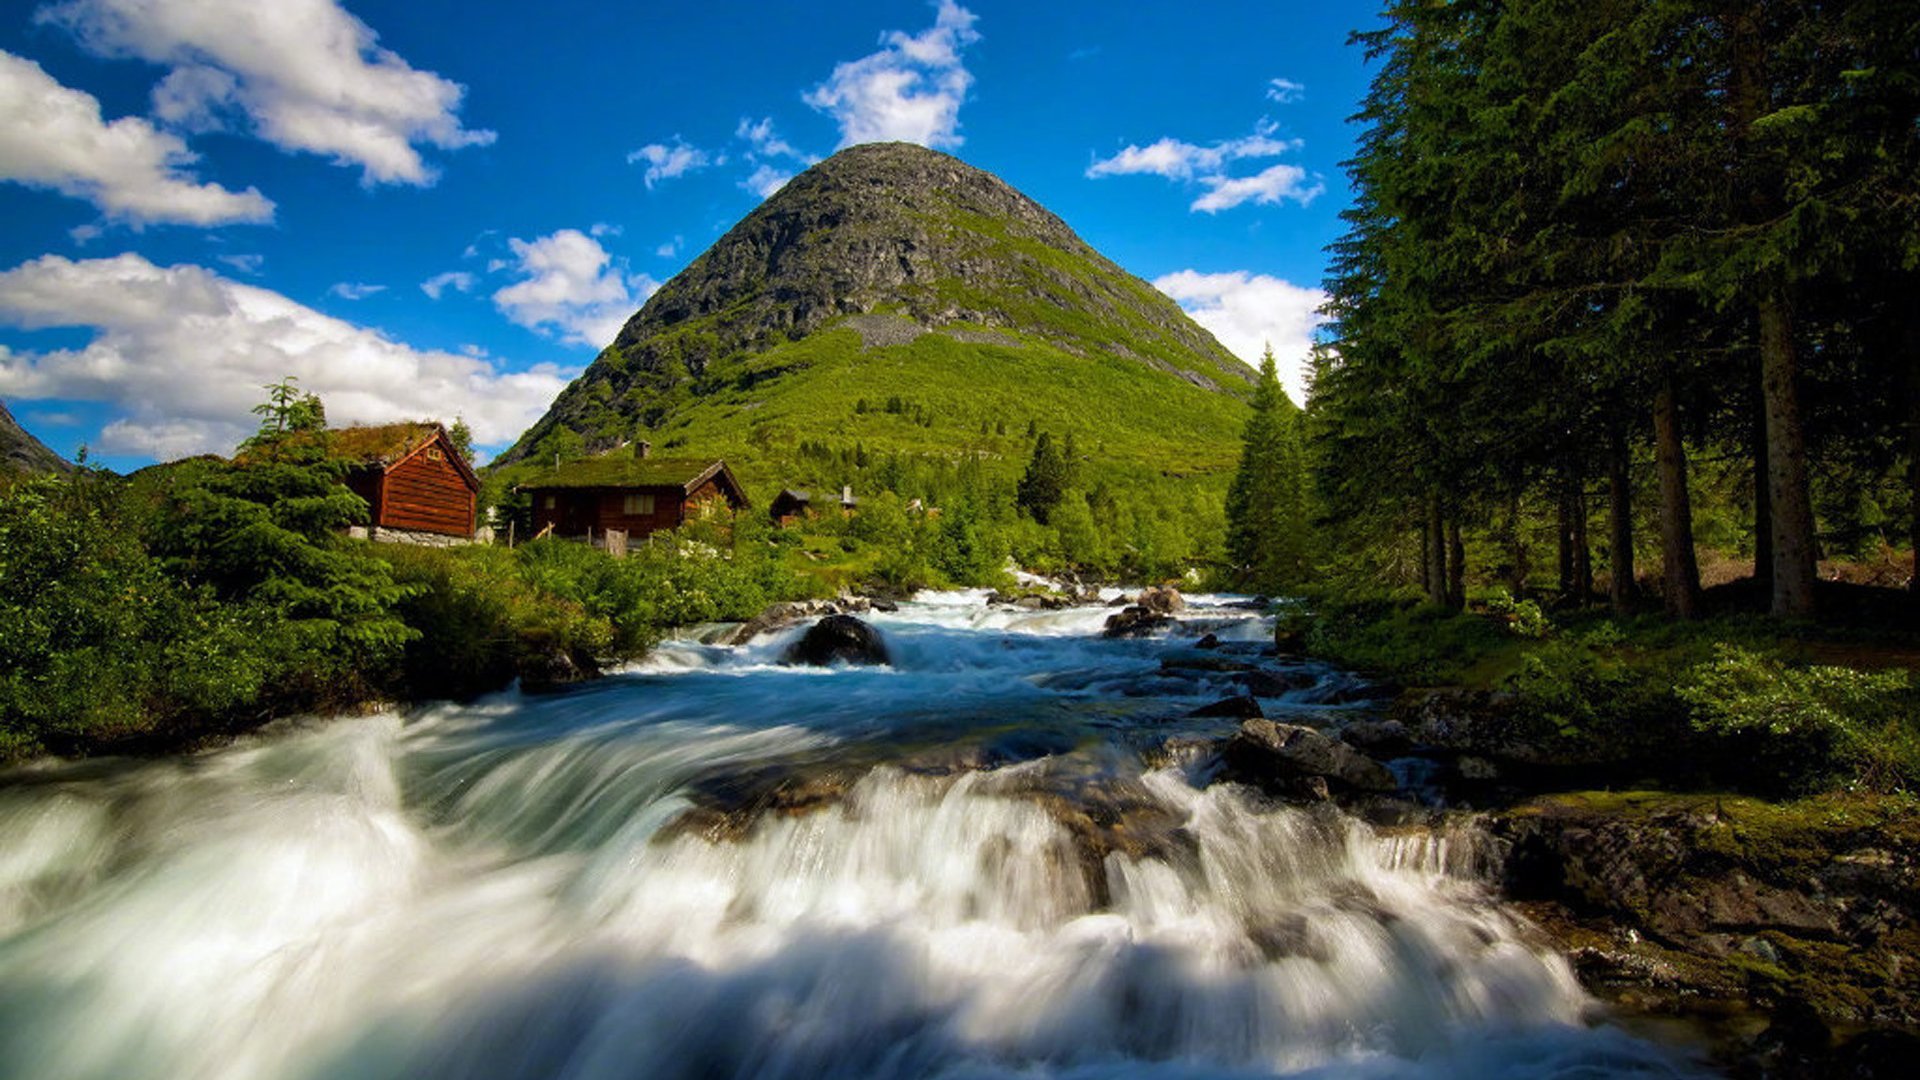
1267	503
1589	240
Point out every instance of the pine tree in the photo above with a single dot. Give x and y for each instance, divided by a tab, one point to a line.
1266	504
1045	482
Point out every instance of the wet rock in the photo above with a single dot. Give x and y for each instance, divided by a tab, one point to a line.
1380	738
551	669
1161	600
1135	621
1271	755
728	803
1243	707
1264	683
1198	660
1210	641
838	639
1477	770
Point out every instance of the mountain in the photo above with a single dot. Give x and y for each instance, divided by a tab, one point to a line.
897	296
20	452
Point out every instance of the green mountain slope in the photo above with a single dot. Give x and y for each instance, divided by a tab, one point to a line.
895	299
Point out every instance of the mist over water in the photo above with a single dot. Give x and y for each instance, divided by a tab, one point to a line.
986	879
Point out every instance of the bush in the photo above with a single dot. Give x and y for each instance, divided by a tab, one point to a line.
1811	726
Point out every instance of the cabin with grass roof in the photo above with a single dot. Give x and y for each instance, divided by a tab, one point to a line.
414	480
635	493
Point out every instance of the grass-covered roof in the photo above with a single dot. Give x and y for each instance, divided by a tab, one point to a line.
624	472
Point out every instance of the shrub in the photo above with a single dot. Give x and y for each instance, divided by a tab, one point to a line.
1811	726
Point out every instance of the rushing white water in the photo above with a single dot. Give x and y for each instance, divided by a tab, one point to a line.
986	881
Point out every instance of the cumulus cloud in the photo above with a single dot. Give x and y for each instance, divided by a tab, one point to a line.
766	180
669	161
1285	91
355	290
438	284
1247	312
1210	166
304	75
570	285
1270	185
180	354
54	137
1178	160
909	91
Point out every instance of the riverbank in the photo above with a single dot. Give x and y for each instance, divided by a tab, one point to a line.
1713	820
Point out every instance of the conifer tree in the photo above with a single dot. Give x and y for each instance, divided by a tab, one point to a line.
1045	482
1266	504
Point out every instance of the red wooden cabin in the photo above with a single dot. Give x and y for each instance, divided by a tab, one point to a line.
639	495
411	476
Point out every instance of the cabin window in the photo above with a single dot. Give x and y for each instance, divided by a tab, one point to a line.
549	502
434	454
639	506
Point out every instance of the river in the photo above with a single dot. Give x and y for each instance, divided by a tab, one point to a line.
999	857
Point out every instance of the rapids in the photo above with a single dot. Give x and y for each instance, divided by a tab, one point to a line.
993	869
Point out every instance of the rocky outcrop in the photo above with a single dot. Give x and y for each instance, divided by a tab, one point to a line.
782	615
1278	757
838	639
1700	904
20	452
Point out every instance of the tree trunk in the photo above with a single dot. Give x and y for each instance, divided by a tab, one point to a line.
1582	552
1456	567
1794	568
1517	549
1620	521
1563	525
1910	355
1426	553
1436	551
1679	566
1762	500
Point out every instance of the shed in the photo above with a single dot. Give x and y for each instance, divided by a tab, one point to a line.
790	505
412	477
639	495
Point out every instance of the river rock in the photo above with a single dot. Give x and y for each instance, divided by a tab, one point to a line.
1380	738
838	639
1211	641
1263	683
1201	660
1161	600
1243	707
1135	621
1271	754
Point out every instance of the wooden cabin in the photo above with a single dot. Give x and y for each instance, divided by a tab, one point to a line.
790	506
412	477
638	495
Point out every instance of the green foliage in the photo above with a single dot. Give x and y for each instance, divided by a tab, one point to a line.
287	410
1267	518
1522	618
1812	725
1045	482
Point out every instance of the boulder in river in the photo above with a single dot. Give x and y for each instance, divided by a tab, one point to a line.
840	639
1278	756
1163	600
1242	707
1135	621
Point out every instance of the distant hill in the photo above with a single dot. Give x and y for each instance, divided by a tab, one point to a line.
897	297
20	452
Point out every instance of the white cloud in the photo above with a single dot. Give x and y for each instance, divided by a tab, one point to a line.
302	74
438	284
181	354
1178	160
763	142
354	290
667	162
569	284
1266	187
246	264
54	137
1285	91
766	180
1209	166
601	228
1247	312
909	91
671	248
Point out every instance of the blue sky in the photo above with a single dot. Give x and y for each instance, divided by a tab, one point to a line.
437	208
